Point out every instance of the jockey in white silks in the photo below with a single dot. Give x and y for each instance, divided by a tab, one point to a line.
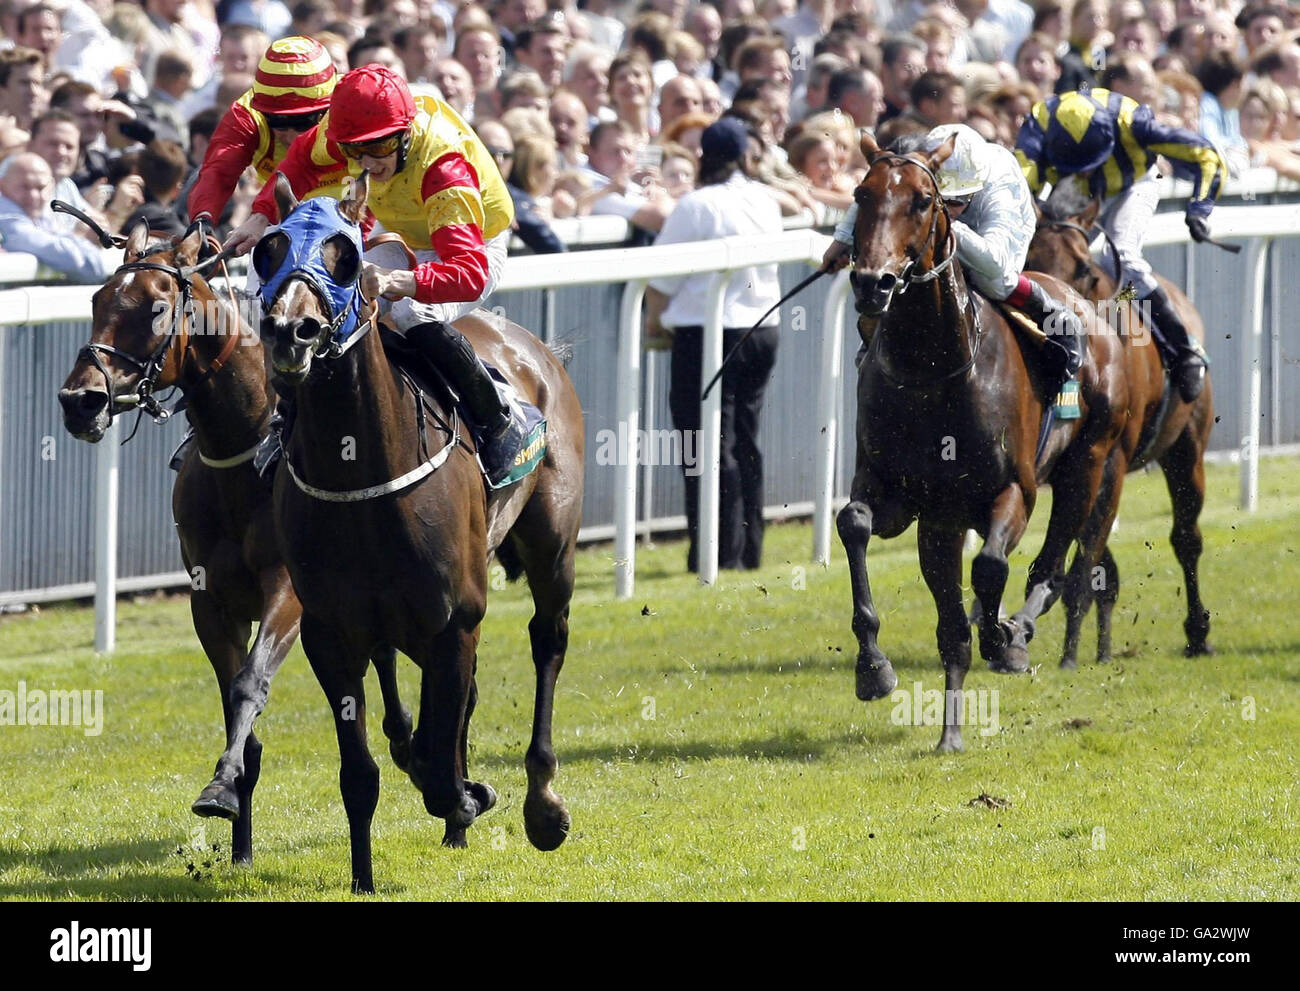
993	220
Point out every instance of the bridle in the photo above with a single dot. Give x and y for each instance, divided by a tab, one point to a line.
149	369
1070	225
908	277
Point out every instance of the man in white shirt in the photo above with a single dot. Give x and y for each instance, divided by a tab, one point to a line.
630	193
727	203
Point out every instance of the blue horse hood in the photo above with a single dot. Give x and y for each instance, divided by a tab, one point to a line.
308	227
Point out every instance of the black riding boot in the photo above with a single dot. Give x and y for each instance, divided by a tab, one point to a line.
1183	356
1064	356
499	433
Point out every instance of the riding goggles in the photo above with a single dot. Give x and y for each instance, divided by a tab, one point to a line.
294	122
379	148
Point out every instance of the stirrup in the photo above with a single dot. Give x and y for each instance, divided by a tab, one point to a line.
499	450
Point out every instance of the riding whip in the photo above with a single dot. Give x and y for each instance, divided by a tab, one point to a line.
749	333
106	239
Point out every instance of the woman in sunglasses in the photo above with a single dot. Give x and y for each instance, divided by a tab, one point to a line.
290	94
434	182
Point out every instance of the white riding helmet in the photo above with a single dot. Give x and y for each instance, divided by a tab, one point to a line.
963	174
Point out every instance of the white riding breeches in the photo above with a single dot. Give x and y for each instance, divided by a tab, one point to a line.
1126	216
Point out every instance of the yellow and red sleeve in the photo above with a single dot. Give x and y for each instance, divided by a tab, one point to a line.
312	162
453	204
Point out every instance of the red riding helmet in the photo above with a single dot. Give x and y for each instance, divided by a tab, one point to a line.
295	77
370	102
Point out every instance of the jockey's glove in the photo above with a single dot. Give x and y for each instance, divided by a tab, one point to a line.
1198	228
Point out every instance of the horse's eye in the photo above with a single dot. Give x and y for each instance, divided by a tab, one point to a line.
921	202
341	260
269	255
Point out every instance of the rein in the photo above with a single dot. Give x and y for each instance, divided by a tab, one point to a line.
908	277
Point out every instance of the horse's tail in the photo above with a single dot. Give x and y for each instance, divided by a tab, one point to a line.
508	557
564	349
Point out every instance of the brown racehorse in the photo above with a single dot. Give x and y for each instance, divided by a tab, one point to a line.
1161	429
949	405
145	338
408	565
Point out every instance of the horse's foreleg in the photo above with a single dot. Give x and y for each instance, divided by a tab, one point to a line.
875	675
1075	483
397	718
437	764
225	641
988	573
1106	599
939	550
1185	476
1087	573
230	793
342	678
1077	601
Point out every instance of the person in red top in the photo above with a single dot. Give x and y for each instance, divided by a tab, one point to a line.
290	94
433	182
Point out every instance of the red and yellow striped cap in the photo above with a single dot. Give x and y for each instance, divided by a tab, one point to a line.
295	76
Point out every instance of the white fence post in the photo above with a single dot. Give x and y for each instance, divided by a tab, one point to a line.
1252	371
710	445
628	402
107	459
829	396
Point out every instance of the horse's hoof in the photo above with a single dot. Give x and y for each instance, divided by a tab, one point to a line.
217	801
1069	663
546	820
483	793
875	679
1014	656
454	839
1202	649
363	885
400	751
949	743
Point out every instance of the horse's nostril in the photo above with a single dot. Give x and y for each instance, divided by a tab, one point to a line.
83	402
304	332
886	283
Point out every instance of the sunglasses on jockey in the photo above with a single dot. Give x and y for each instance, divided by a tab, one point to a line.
294	122
378	148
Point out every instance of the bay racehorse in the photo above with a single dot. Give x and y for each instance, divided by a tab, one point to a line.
1161	428
389	545
157	324
950	401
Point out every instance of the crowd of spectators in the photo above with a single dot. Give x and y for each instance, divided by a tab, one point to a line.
597	106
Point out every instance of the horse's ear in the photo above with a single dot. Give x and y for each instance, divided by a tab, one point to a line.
353	206
868	146
1089	216
136	239
943	152
285	201
187	252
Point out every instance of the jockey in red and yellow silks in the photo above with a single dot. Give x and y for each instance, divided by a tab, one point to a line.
290	94
433	182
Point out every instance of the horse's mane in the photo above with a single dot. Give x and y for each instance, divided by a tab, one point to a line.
1065	202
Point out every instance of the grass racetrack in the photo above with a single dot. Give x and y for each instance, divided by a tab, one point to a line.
759	775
